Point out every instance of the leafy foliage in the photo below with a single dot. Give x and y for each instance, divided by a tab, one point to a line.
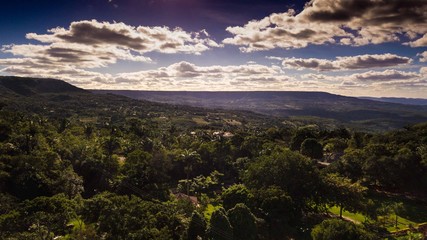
243	222
197	226
75	165
219	226
339	230
235	194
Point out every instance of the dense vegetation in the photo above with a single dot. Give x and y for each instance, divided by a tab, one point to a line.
75	165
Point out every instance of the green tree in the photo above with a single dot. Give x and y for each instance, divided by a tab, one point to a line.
335	229
70	183
344	193
197	226
143	175
111	144
40	218
280	169
5	130
219	226
278	210
190	158
235	194
311	148
123	217
243	222
300	135
39	174
251	146
336	145
350	164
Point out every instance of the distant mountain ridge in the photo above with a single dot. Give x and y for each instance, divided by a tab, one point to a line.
56	99
408	101
290	104
305	107
31	86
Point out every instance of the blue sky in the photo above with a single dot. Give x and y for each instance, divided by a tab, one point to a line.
349	47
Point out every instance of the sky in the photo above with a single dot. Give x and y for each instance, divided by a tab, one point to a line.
350	47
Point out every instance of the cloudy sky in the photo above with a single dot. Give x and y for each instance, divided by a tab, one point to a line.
349	47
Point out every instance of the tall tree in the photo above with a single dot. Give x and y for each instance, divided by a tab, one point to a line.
300	135
335	229
398	208
243	222
197	226
235	194
190	158
311	148
279	169
344	193
220	227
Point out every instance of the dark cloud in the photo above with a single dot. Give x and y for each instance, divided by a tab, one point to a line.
347	63
372	61
387	75
310	63
345	22
342	11
91	33
66	54
169	45
141	39
371	12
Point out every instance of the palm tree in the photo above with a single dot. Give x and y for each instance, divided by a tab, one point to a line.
190	158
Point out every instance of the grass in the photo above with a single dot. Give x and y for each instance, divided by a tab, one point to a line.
389	223
413	212
200	121
386	221
356	217
233	122
88	119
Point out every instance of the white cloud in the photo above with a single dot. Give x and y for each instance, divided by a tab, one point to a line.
177	76
92	44
274	58
383	83
247	77
421	42
184	75
423	56
389	75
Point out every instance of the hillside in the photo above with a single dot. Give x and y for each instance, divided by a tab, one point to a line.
303	106
58	99
408	101
33	86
